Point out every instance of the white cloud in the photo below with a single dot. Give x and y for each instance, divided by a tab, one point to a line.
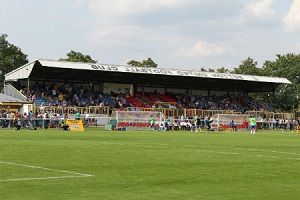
292	19
129	7
205	49
115	34
72	2
260	11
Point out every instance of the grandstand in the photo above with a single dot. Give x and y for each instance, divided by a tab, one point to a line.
68	87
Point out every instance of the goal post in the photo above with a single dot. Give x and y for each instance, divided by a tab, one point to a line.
136	120
222	121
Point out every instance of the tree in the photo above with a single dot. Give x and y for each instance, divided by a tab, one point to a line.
145	63
202	69
287	96
249	67
211	70
205	70
74	56
11	57
223	70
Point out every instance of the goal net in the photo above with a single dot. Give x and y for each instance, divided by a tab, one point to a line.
136	120
222	121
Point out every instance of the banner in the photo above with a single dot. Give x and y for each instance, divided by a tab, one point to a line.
75	125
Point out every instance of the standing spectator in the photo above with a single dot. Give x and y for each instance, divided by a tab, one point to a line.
77	115
231	124
252	125
151	121
18	127
46	120
4	120
209	120
198	124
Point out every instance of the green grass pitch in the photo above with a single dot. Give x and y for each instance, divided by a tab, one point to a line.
98	164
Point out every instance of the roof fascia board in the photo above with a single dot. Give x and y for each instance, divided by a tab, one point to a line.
21	72
160	71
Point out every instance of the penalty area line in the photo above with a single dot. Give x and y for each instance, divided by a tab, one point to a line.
75	174
42	178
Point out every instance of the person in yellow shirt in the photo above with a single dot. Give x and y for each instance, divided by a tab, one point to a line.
60	97
12	115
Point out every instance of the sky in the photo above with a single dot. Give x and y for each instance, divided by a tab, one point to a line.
175	34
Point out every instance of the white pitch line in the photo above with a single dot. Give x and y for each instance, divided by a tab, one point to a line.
141	145
244	154
247	149
79	175
44	168
43	178
206	151
216	152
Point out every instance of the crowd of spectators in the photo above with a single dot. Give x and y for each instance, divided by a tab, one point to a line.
236	103
47	119
30	120
71	95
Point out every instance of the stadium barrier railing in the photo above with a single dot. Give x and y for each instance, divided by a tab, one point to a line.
51	122
198	112
172	112
72	110
266	114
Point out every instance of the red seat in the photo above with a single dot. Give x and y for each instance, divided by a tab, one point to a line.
126	124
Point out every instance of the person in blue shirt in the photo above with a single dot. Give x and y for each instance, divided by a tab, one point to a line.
231	124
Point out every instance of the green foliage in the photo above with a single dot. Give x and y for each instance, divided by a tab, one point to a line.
248	66
145	63
284	66
223	70
207	70
11	57
287	66
74	56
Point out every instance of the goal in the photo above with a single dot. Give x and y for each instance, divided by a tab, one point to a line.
222	121
136	120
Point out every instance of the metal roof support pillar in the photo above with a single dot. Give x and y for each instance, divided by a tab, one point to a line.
28	86
273	97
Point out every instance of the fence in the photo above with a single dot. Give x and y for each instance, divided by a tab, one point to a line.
51	122
193	112
106	110
170	112
266	114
